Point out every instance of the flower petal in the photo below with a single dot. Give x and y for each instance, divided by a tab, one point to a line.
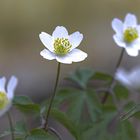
132	51
47	40
119	41
75	39
2	84
117	26
136	44
60	32
47	54
64	59
11	87
77	55
138	29
130	20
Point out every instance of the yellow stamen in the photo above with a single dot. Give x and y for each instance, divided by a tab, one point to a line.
3	100
130	34
61	46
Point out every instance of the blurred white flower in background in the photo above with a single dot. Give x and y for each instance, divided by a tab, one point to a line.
127	34
61	46
6	96
130	79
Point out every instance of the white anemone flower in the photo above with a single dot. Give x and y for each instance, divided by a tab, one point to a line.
6	96
61	46
127	34
130	79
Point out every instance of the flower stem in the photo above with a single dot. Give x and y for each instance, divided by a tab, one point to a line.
11	125
52	97
104	99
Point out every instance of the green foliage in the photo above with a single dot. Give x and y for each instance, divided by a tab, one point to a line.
39	134
102	77
80	111
121	92
25	104
81	77
79	102
64	119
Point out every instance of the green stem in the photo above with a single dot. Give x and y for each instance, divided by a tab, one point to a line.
11	125
52	97
104	99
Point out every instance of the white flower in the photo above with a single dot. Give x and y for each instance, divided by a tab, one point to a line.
6	96
127	34
61	46
129	79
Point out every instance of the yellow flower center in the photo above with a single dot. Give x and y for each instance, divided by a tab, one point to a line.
130	34
61	46
3	100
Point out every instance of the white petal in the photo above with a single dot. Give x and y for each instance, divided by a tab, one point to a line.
2	84
11	87
64	59
47	40
119	40
75	39
3	111
60	32
77	55
47	54
117	25
138	29
132	51
136	44
130	20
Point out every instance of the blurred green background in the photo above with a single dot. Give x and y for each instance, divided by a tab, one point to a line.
21	21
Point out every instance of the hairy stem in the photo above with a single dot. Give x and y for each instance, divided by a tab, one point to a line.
52	97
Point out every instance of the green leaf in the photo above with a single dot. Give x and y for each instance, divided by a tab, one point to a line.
65	121
121	92
39	134
20	128
23	100
79	101
81	77
108	129
24	104
102	76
